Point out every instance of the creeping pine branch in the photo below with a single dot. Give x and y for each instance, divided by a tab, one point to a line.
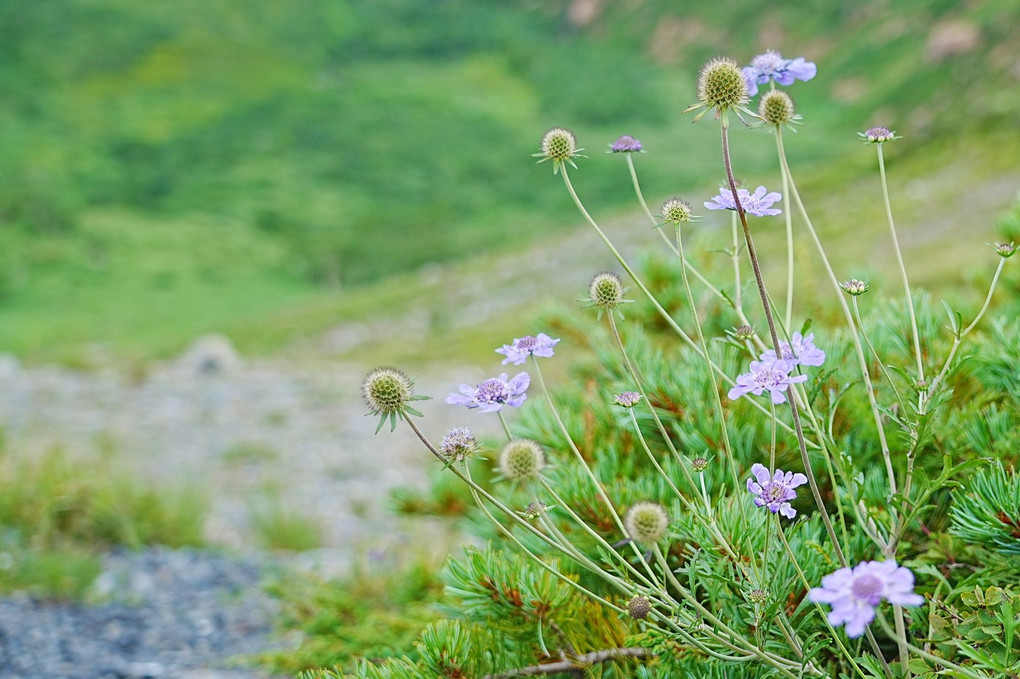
577	663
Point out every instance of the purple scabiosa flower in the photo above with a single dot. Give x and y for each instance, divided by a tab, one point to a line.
772	66
801	350
878	135
492	394
627	399
458	444
775	491
771	375
854	593
758	203
518	352
854	287
625	144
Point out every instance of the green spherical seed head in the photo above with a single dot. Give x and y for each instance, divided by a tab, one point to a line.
606	290
639	607
521	460
559	144
386	390
721	84
776	108
675	211
646	522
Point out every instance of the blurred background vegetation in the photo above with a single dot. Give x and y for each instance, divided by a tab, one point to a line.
170	169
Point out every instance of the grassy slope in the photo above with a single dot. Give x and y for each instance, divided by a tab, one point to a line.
172	172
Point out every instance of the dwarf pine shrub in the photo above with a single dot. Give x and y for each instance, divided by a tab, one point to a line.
740	493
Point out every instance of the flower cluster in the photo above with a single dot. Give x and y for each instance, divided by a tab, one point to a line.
758	203
540	345
625	144
771	375
878	135
491	395
855	593
771	66
775	490
627	399
801	350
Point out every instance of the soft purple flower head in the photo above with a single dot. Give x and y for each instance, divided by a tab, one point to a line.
775	490
625	144
492	394
770	374
772	66
628	399
518	352
800	351
854	594
758	203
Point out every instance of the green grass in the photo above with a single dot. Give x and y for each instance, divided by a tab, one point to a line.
57	512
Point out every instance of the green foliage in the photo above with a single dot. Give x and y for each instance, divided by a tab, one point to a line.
56	498
203	167
58	511
278	526
988	512
372	615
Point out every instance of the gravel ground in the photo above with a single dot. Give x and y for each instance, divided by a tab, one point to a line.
158	614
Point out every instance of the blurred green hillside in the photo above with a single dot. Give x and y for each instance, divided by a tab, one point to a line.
168	169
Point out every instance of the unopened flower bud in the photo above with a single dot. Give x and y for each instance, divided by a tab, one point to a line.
458	444
776	108
878	135
699	464
627	399
606	290
674	211
743	333
521	460
1004	250
625	144
721	85
854	287
758	596
639	607
646	523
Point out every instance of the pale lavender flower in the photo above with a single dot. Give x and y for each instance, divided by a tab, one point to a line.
802	352
492	394
628	399
771	375
854	594
518	352
772	66
775	491
758	203
625	144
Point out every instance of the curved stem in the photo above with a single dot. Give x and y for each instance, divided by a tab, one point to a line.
789	244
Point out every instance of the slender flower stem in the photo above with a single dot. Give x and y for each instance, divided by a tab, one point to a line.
775	343
789	246
861	359
871	348
655	303
899	260
577	453
506	427
716	399
644	395
951	666
737	285
818	607
644	205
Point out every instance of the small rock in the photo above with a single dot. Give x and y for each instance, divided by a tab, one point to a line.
210	355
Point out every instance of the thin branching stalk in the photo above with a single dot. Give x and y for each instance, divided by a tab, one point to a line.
577	453
716	399
861	359
788	214
899	261
644	289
